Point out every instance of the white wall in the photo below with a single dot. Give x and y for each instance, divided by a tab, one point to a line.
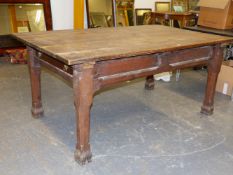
147	3
63	10
62	14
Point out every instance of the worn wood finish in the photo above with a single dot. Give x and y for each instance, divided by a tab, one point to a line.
80	46
114	71
228	32
91	62
58	67
83	84
35	71
214	66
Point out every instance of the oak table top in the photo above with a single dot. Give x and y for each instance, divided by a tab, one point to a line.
227	32
80	46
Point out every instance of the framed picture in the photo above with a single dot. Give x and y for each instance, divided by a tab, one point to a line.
193	5
180	5
36	3
98	19
22	29
186	5
36	20
140	15
124	12
178	8
100	13
162	6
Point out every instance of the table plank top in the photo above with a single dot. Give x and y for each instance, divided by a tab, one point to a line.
228	32
82	46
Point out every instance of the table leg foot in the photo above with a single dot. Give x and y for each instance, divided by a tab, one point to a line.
207	110
37	112
82	157
150	83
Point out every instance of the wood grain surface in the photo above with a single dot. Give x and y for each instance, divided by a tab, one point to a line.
80	46
227	32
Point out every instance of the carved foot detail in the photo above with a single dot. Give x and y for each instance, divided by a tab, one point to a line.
207	110
37	112
82	157
150	85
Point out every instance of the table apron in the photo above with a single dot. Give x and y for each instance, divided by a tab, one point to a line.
57	66
111	72
107	73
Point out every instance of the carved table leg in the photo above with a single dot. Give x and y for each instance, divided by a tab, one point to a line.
35	71
83	98
150	82
214	67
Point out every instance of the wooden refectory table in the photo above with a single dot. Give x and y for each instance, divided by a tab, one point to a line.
183	17
96	58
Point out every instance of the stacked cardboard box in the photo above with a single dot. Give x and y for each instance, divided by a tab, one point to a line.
225	78
216	14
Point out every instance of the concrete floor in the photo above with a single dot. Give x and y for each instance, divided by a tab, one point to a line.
133	131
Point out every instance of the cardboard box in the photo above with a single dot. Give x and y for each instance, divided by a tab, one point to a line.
225	78
216	14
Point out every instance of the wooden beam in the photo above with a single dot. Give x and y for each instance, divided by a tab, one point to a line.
12	18
79	14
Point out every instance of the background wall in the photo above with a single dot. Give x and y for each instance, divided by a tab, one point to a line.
147	3
62	12
137	4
